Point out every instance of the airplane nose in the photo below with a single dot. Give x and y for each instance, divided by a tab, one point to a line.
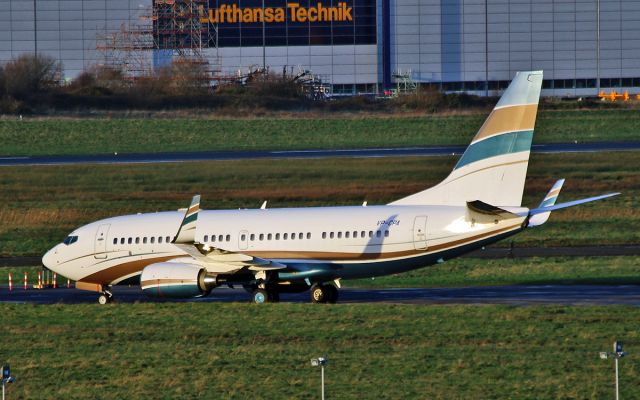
49	260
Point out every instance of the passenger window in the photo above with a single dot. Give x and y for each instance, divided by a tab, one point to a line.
243	237
130	241
115	240
362	234
269	237
285	236
308	235
378	234
153	239
213	238
324	235
262	236
137	240
346	235
144	240
228	238
168	239
293	236
330	235
300	236
370	234
220	238
206	238
339	235
277	236
159	239
386	233
252	237
355	234
121	240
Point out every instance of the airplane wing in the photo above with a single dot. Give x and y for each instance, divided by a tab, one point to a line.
220	260
215	259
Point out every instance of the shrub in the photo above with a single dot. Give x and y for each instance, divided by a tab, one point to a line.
30	75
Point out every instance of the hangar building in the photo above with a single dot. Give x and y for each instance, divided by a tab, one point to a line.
360	46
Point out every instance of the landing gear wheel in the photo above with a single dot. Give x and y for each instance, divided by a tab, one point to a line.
104	299
331	294
274	297
260	296
318	294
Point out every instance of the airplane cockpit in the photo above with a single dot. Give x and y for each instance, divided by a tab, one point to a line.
70	240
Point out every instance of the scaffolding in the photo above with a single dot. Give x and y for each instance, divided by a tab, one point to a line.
172	31
404	82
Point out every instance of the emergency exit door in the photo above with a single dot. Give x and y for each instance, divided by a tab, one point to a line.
420	232
100	247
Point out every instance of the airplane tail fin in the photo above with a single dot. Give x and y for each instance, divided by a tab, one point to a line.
493	168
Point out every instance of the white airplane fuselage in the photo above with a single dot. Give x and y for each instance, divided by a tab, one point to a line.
348	242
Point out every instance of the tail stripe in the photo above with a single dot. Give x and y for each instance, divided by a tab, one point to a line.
508	119
508	143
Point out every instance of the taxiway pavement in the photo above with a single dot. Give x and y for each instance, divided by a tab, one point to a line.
519	295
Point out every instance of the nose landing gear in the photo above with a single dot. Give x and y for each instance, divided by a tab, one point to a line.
105	297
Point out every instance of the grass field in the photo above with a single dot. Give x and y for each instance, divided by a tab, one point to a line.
104	135
41	205
241	351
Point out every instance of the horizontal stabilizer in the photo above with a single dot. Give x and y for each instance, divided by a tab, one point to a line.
541	210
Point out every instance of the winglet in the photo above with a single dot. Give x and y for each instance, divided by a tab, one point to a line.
548	201
187	231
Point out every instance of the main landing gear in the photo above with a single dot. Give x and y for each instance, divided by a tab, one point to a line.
324	293
105	297
265	296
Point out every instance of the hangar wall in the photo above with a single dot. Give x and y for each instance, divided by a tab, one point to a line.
471	45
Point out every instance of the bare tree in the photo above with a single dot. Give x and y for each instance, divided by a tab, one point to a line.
31	74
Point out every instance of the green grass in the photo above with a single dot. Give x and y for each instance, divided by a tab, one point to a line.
105	135
240	351
41	205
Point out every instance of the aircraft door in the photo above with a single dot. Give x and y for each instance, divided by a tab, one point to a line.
100	247
420	232
243	240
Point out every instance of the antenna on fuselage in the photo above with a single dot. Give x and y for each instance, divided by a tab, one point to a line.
264	205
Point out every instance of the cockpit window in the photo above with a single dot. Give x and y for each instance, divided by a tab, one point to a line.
70	240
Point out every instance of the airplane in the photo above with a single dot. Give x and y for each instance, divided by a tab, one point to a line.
189	252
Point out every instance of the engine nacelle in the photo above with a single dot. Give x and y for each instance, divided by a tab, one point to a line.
177	280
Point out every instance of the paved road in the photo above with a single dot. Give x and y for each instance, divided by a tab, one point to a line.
512	295
488	253
291	154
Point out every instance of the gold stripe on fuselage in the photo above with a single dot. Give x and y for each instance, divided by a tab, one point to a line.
108	275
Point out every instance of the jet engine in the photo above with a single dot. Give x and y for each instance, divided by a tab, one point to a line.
176	280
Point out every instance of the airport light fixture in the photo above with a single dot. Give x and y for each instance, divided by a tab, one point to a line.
617	354
320	362
6	377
